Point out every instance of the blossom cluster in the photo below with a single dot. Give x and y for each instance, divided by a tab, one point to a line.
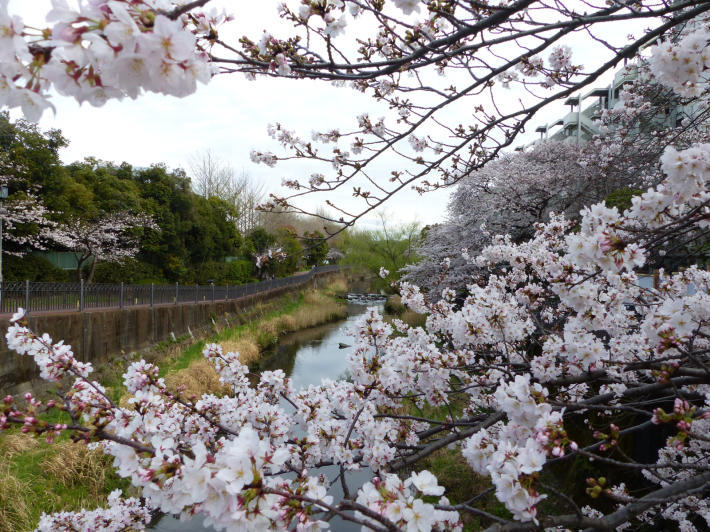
120	514
682	64
112	237
104	50
396	499
221	456
511	453
270	256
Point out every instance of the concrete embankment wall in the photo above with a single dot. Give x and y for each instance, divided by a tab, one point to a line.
99	335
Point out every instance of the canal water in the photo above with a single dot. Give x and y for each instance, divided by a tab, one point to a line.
308	357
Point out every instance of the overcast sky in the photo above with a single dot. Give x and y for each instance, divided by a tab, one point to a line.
229	117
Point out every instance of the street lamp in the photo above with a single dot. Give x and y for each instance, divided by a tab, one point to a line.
3	195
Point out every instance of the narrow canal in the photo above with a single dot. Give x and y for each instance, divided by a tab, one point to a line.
308	357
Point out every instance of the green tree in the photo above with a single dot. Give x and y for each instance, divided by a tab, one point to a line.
286	239
194	230
391	247
261	239
315	248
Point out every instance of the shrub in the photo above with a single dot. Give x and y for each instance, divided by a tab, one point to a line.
239	271
236	272
33	268
130	271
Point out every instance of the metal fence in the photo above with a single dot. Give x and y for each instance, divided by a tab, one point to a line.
40	297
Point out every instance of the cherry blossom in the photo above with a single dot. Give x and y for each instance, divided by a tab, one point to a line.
555	352
111	237
104	50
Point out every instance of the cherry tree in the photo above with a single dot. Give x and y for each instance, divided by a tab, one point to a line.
508	196
24	218
268	259
550	356
558	356
112	237
511	194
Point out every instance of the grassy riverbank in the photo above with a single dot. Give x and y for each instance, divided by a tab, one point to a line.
191	371
37	477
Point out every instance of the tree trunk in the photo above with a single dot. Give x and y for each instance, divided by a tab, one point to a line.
92	270
79	268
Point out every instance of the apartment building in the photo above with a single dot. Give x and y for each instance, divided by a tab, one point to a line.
581	123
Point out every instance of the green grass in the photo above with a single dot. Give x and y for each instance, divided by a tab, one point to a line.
36	477
194	352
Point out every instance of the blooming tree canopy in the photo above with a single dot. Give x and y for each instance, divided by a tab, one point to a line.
508	196
25	220
558	357
266	261
112	237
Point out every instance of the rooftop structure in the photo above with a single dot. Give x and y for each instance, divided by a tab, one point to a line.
581	123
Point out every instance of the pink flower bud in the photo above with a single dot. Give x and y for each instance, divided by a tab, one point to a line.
683	425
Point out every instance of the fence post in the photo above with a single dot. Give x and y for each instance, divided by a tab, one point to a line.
81	295
226	297
177	292
27	295
212	283
120	298
197	293
152	295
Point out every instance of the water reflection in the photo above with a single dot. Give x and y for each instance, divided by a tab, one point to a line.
308	357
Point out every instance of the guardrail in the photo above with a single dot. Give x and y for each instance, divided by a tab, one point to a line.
42	297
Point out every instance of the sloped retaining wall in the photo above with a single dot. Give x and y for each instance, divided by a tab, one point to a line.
98	335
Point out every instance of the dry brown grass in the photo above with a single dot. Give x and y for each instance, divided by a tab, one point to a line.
198	378
287	324
49	478
338	285
313	297
269	327
318	309
73	464
17	443
246	346
15	514
413	319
